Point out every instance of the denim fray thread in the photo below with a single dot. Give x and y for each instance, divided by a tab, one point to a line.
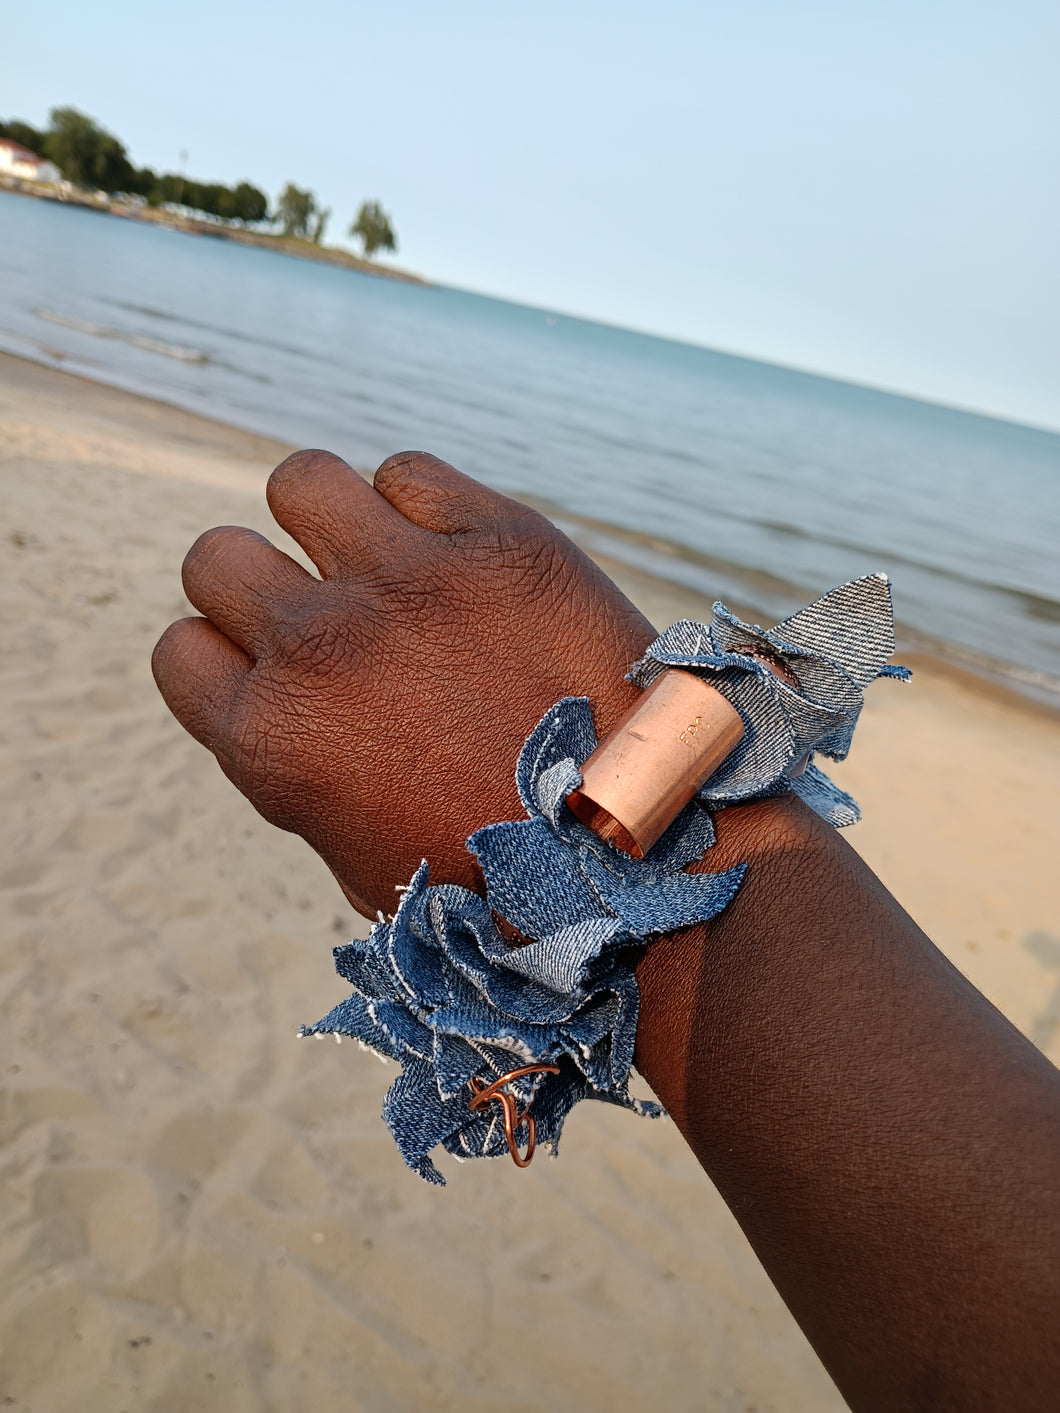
438	989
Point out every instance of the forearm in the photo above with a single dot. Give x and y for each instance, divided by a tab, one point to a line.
885	1138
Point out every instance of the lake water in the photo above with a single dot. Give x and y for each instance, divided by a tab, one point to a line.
735	477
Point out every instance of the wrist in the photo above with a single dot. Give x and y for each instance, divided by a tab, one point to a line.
782	841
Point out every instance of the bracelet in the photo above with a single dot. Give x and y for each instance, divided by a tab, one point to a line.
498	1043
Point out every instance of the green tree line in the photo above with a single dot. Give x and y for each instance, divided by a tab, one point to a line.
89	156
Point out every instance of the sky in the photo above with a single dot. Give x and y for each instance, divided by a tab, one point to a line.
864	190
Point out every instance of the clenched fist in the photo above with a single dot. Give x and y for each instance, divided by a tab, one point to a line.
379	710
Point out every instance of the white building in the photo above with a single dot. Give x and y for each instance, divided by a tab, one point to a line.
19	161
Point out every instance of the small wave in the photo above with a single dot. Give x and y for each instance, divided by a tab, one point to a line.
256	338
168	350
1038	606
101	331
1032	605
706	575
758	592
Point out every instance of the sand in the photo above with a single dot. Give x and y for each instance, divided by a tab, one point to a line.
201	1212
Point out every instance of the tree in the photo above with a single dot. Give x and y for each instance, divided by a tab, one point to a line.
372	227
295	209
166	189
247	204
87	154
144	183
24	135
323	217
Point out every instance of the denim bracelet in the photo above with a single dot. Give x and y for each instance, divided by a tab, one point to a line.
439	989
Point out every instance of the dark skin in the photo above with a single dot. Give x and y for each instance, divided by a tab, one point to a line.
887	1141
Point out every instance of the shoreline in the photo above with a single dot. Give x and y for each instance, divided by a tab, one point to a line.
166	220
756	595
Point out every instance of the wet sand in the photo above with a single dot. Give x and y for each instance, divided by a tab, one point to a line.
202	1214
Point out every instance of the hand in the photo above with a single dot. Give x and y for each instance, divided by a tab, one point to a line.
379	711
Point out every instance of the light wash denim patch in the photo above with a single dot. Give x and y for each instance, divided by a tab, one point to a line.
440	990
833	649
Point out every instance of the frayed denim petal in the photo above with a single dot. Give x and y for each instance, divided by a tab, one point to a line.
595	1023
852	626
563	961
359	963
514	857
456	1062
417	966
825	798
832	649
407	1035
511	991
419	1119
674	902
685	840
606	1062
565	732
523	1042
352	1018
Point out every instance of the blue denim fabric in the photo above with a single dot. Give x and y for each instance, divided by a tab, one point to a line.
440	990
833	649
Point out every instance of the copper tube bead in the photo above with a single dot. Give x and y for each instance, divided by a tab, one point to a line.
644	773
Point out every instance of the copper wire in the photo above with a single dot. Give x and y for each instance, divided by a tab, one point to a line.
485	1093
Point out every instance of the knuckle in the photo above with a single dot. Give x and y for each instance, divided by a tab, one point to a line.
317	642
171	647
297	468
208	549
427	490
408	598
403	467
545	574
529	556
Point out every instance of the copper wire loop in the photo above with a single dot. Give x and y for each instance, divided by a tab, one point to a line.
775	664
486	1093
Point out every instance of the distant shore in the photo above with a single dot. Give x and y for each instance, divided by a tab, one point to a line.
155	216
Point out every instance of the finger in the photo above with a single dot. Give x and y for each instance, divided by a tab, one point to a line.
199	672
431	493
243	584
333	513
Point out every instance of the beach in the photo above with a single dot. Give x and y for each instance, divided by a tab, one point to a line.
202	1212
